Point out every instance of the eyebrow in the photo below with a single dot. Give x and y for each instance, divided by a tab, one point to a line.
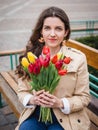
56	26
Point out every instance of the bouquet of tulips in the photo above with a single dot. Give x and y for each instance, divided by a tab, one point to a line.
45	74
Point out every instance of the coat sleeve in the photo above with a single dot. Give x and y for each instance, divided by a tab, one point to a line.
81	95
23	89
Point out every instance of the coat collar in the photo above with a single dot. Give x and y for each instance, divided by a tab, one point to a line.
68	52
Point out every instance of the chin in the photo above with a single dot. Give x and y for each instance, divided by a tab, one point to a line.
53	44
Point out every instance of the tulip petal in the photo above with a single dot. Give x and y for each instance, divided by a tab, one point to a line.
25	62
31	57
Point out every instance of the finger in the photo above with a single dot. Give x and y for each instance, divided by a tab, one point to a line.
44	104
46	100
48	95
39	92
34	92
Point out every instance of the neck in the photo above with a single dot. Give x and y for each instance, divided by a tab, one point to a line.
54	51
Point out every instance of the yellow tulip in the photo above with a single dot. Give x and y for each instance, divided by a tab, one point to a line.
59	55
25	62
31	57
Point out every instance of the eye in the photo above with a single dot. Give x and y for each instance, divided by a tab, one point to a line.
46	28
59	28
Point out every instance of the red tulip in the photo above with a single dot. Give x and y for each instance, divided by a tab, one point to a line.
30	68
36	69
54	59
41	59
67	60
59	64
38	62
62	72
45	50
46	61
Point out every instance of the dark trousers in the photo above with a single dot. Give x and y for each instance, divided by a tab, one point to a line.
32	123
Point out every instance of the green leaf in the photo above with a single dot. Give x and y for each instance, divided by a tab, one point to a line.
54	84
51	75
42	77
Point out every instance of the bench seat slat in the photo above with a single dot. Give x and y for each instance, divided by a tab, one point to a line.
11	97
92	116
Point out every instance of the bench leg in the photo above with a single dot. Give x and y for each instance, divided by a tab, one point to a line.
0	101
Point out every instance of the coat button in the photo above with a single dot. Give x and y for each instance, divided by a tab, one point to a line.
61	120
79	120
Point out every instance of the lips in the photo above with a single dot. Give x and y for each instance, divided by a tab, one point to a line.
52	40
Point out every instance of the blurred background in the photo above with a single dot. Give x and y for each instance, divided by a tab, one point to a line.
17	20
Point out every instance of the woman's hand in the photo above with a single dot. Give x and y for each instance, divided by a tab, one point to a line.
48	100
35	99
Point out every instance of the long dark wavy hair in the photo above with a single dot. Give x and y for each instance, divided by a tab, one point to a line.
33	44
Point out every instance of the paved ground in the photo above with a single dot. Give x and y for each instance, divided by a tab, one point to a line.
8	120
17	19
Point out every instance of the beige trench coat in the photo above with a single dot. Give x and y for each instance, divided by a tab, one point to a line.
74	86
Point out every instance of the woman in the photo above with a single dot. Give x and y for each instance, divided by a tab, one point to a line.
71	96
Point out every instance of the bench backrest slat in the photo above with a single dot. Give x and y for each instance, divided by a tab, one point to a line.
10	81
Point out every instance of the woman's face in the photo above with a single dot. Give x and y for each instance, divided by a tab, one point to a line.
53	31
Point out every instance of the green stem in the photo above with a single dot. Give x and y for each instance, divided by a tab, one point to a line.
45	115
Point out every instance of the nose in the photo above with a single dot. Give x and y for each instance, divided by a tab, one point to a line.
52	34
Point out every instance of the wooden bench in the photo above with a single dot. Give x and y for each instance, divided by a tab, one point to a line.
92	111
9	86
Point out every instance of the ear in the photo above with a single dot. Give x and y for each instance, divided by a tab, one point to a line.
66	32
